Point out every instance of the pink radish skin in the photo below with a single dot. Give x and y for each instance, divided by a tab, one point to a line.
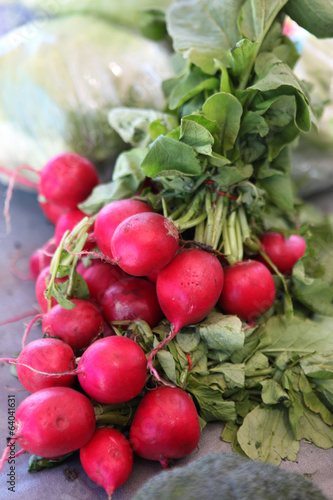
41	286
67	222
45	355
110	216
187	290
132	299
67	180
248	290
53	422
107	459
113	370
189	287
39	260
78	327
165	426
52	211
283	252
99	277
144	243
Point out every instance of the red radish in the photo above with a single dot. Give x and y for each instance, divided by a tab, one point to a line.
40	259
67	222
45	355
248	290
153	276
52	211
99	276
144	243
189	287
78	327
165	425
187	290
113	370
107	459
132	299
53	422
67	180
110	216
283	252
41	286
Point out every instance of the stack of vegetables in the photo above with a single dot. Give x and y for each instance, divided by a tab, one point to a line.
209	280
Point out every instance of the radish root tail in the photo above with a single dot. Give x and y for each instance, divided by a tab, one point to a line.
173	332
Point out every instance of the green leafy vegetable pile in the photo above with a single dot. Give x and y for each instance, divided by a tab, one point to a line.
219	165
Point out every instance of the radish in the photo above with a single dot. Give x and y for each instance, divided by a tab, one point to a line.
52	211
67	180
165	425
42	283
187	290
107	459
113	370
248	290
67	222
144	243
110	216
283	252
99	276
55	421
45	355
41	258
131	299
78	327
189	287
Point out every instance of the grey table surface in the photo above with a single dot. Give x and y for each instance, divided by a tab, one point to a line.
29	231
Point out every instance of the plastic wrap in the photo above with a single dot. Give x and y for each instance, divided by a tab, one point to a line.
124	12
61	77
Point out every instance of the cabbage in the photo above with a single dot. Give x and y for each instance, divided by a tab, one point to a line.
120	11
59	79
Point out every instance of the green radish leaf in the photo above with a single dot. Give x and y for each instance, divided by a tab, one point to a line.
127	179
168	365
295	335
308	425
257	362
229	435
157	128
253	123
279	190
210	125
226	110
193	83
230	175
241	57
318	366
257	16
169	157
272	393
196	136
313	402
266	435
234	374
39	463
211	405
204	30
222	332
132	124
58	292
188	339
315	16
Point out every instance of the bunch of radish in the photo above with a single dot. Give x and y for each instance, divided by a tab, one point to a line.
137	269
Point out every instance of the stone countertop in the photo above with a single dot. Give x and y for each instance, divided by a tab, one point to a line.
29	231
